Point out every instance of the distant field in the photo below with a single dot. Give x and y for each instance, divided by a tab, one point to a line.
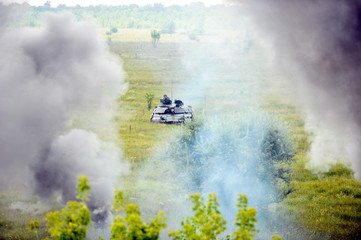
181	36
192	71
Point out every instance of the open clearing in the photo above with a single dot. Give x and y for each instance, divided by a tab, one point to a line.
201	74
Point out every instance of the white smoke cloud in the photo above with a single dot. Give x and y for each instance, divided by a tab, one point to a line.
46	76
81	152
316	45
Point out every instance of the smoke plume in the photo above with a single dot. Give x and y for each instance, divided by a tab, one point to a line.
235	149
317	45
241	155
46	76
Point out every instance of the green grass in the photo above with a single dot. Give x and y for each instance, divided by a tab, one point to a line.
146	73
321	205
13	221
327	206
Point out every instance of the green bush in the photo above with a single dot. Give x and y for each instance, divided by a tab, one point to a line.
33	227
339	170
149	98
71	223
208	223
132	226
155	35
245	220
254	147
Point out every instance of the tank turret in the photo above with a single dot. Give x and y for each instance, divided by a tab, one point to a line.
172	113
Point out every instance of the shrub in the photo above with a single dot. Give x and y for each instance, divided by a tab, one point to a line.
256	148
132	227
339	170
149	98
33	227
207	222
245	220
155	34
71	223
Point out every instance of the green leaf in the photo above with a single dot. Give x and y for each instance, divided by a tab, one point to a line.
83	188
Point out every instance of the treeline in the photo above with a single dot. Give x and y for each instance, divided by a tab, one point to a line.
195	17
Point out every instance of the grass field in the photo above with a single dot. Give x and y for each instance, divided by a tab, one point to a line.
323	206
218	80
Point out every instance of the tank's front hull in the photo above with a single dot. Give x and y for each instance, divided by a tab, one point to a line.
169	118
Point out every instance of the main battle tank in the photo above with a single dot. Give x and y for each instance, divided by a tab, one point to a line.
172	113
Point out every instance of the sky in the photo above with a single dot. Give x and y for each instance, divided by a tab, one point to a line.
55	3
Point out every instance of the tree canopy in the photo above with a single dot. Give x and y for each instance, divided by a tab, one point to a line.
194	17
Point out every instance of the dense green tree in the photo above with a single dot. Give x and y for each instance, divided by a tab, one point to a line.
47	4
155	34
192	18
169	27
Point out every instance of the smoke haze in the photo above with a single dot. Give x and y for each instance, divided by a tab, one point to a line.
317	46
49	74
239	155
226	153
308	43
46	76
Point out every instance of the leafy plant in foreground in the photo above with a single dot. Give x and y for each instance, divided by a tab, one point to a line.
207	222
33	226
276	237
245	220
71	223
83	188
132	226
